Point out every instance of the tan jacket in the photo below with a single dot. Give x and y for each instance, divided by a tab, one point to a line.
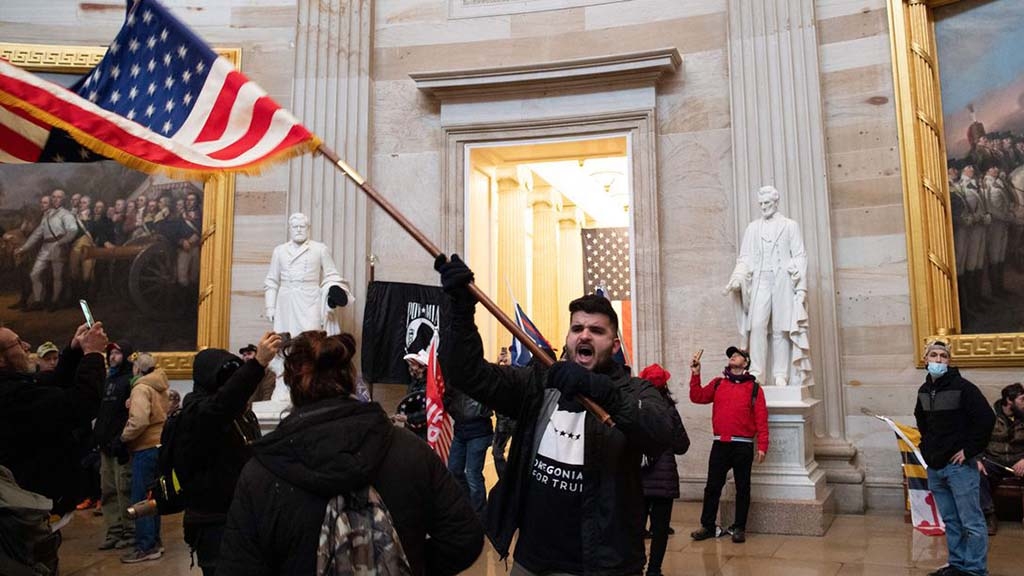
147	411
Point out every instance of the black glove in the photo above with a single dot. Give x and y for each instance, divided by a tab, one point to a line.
455	277
571	379
336	297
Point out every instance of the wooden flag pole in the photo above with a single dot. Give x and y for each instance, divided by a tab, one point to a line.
591	406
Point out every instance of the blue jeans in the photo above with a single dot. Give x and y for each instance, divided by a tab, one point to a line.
147	529
955	489
466	463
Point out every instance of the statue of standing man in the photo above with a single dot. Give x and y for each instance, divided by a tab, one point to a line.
769	285
303	287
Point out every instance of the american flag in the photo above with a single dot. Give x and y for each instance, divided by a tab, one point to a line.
440	425
606	272
606	261
159	100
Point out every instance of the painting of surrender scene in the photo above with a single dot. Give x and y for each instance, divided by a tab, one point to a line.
981	67
126	242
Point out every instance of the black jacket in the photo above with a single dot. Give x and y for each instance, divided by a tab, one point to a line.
952	415
113	414
661	476
332	447
38	423
612	494
213	435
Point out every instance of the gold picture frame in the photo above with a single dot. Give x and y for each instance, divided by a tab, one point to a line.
935	309
213	321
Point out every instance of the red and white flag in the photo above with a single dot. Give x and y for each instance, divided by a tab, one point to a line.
440	425
160	100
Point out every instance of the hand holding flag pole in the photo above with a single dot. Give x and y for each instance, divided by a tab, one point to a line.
591	406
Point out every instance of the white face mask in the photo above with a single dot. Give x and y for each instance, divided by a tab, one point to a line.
937	369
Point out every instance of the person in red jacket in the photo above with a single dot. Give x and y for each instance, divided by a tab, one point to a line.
739	418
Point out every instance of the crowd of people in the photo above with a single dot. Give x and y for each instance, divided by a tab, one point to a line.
338	487
986	190
50	247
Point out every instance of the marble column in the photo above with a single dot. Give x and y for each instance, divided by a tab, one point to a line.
778	139
512	206
331	96
570	270
545	202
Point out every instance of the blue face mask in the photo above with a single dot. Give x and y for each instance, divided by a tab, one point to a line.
937	369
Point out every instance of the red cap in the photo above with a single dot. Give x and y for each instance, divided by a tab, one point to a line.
113	346
656	375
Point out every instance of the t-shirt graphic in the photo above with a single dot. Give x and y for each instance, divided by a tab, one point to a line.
550	538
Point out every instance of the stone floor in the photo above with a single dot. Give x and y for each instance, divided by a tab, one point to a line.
870	545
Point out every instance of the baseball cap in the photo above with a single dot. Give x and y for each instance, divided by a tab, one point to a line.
420	357
45	348
733	350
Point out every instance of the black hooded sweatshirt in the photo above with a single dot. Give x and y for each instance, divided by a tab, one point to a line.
952	415
113	414
333	447
214	433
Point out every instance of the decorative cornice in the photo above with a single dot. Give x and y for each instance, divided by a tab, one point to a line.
632	68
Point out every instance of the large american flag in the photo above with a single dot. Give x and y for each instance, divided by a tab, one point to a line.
440	425
606	272
159	100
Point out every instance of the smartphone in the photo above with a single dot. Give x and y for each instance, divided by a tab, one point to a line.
286	337
699	354
88	313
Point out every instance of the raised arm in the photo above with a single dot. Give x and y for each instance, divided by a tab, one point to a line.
461	354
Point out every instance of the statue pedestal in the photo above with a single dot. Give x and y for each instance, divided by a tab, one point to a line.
789	494
270	413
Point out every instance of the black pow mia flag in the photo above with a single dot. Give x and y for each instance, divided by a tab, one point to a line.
399	319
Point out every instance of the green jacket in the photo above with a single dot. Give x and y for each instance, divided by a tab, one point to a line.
1006	446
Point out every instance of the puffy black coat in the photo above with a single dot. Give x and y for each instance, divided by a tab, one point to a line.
214	433
661	477
1006	446
952	415
332	447
38	423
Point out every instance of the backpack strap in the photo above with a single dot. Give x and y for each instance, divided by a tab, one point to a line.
753	393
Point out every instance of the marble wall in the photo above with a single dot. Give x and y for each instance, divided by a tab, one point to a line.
694	151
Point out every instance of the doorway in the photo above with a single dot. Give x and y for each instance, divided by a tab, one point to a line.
546	221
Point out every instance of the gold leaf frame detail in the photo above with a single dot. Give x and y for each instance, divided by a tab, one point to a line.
935	309
218	208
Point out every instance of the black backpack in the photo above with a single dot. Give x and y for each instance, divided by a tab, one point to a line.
166	490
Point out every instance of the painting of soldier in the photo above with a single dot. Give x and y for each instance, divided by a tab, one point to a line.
126	242
983	111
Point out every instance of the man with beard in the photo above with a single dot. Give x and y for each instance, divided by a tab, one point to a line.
1004	455
572	485
37	432
115	472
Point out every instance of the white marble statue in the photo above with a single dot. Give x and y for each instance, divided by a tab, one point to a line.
300	286
769	286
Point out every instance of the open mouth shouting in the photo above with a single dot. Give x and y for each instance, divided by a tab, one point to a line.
584	354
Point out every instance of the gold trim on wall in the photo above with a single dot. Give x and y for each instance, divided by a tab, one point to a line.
935	309
218	208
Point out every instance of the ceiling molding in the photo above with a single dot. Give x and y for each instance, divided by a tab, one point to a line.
634	68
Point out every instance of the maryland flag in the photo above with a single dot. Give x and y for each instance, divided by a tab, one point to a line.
923	511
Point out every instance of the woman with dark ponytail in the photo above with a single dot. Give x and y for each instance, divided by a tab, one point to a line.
333	445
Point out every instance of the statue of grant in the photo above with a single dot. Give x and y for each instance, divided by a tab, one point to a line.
303	287
769	287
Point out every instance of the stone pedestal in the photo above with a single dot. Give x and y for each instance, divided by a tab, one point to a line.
789	494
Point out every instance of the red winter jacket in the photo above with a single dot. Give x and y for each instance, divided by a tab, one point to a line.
732	415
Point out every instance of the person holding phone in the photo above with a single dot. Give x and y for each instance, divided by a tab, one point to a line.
39	456
739	419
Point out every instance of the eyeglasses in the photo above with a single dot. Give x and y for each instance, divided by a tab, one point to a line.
17	341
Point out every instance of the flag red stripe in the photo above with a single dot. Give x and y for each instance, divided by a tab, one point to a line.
220	113
262	115
18	146
25	115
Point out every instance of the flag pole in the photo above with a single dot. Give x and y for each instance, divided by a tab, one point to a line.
591	406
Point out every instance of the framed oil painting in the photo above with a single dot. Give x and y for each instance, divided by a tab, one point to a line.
959	78
143	250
